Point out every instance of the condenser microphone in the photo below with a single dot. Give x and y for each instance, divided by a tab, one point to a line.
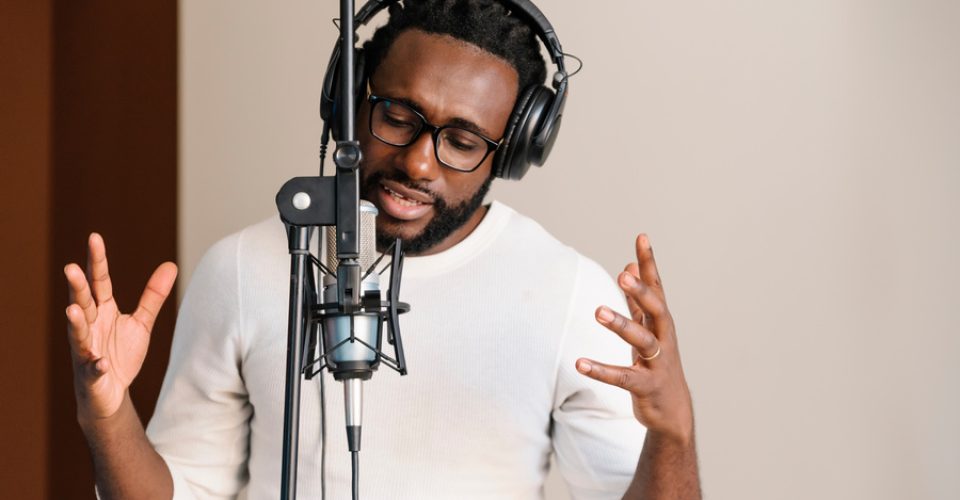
352	339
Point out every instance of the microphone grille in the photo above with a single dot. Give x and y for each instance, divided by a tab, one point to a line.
368	238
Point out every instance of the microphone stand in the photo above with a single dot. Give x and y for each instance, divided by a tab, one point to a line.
305	203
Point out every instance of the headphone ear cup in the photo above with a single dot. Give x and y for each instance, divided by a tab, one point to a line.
331	82
516	153
329	111
504	154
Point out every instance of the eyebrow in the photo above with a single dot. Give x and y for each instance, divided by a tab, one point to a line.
453	122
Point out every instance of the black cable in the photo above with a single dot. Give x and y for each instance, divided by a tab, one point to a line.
324	139
580	61
356	474
323	440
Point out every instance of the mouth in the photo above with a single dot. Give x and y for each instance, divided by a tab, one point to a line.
403	203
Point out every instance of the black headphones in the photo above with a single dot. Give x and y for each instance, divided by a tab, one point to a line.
535	121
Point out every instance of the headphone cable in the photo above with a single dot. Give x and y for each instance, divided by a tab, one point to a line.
324	139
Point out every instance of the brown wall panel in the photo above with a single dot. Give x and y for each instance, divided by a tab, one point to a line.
25	81
114	172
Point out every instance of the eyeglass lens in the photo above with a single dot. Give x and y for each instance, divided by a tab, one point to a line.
399	125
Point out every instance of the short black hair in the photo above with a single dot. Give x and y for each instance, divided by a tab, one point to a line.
487	24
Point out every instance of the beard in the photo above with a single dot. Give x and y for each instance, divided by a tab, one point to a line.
446	218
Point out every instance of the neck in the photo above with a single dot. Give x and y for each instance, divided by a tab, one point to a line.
458	235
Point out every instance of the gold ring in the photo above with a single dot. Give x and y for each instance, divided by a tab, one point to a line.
651	358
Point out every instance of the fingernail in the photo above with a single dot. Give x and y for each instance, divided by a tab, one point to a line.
629	279
583	366
645	241
605	315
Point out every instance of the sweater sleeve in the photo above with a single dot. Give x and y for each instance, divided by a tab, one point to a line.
201	423
596	439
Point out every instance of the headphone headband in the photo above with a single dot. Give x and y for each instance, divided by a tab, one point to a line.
525	8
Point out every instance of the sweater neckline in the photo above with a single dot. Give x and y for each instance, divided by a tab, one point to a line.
478	240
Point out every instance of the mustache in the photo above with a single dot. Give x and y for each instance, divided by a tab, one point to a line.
400	178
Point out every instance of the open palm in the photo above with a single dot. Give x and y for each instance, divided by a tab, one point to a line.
108	348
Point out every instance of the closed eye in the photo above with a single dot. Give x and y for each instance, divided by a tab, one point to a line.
461	140
397	121
462	146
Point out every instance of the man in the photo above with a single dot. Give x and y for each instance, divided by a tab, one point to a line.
501	325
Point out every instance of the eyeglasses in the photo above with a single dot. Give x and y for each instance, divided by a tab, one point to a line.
397	124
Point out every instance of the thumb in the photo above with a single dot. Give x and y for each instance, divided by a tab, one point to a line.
155	293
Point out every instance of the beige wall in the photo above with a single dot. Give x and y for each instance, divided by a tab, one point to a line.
797	165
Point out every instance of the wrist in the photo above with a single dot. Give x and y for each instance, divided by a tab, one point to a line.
678	438
673	423
676	430
93	420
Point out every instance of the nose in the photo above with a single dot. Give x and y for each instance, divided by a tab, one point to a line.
418	160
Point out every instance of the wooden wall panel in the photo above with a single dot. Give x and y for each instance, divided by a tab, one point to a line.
25	82
114	157
88	142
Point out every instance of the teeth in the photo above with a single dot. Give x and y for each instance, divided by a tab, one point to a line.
402	200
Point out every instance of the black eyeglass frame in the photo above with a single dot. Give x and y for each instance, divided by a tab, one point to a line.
492	145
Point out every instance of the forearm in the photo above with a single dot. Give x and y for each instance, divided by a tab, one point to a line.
126	464
667	469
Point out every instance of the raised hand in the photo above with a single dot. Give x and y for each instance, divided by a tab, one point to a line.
661	398
108	348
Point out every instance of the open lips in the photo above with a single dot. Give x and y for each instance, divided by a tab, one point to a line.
403	203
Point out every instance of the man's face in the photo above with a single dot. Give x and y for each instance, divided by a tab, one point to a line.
432	207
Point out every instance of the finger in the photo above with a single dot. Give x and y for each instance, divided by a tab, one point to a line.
85	354
649	301
648	265
98	270
78	332
643	340
156	291
630	378
635	311
80	291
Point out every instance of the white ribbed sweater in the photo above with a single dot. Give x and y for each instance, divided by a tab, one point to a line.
496	324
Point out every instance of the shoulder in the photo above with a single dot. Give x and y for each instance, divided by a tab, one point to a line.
529	236
238	260
523	234
245	247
